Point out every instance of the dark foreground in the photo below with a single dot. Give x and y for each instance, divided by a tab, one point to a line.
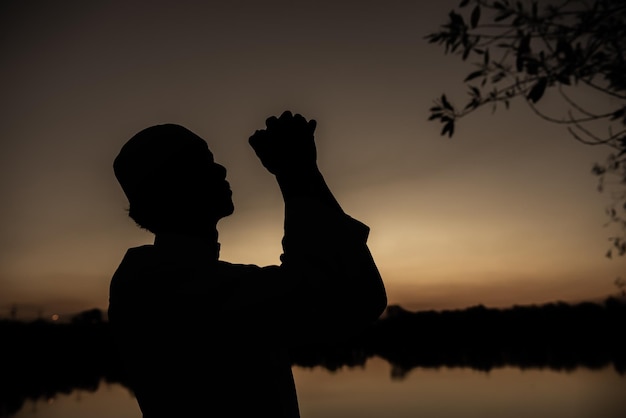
42	359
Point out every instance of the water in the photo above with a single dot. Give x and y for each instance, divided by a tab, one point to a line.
371	392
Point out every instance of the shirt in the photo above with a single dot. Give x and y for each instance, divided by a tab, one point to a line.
204	337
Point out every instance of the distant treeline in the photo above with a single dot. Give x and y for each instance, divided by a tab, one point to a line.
42	359
558	336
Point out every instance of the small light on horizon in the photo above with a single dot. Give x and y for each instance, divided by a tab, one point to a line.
55	317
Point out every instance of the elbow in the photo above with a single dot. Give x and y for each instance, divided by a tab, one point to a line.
371	311
380	304
375	304
378	296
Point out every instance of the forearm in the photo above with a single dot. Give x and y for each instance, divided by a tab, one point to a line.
309	185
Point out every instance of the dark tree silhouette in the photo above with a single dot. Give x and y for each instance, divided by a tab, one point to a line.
575	48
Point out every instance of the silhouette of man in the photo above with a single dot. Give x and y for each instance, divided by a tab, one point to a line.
204	337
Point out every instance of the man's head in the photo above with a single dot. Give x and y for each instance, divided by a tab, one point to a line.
172	183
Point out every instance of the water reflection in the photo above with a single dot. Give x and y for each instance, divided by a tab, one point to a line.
368	392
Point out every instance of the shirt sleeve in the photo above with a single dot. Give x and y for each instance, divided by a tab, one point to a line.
332	284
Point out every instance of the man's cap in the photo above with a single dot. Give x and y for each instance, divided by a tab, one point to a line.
152	150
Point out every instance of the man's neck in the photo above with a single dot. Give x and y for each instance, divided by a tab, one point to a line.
204	243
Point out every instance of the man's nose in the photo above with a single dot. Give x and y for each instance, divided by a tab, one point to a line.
220	170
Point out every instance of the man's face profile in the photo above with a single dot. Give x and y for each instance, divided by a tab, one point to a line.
172	181
213	189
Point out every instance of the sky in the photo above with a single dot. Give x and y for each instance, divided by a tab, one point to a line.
506	212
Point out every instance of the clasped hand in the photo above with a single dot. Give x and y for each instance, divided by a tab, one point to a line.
286	147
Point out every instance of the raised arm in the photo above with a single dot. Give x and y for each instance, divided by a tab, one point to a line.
287	150
334	283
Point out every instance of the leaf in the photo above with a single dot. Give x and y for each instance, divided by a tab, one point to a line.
446	103
519	63
456	19
463	3
518	20
503	15
466	53
524	46
448	128
565	48
435	116
498	76
597	169
475	16
473	104
563	79
538	89
474	75
532	66
432	38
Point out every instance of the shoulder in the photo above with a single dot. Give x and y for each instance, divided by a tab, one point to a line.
134	253
141	251
135	257
227	269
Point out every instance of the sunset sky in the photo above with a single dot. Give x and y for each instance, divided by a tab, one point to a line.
505	212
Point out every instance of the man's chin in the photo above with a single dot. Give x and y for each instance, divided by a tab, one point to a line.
229	210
